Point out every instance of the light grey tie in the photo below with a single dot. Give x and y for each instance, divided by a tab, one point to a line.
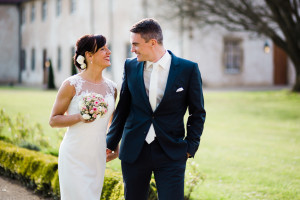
152	99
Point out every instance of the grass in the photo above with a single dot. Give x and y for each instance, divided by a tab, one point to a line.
250	148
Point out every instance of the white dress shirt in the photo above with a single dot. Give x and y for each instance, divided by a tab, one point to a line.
163	72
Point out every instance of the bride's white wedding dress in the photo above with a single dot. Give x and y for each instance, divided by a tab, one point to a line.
82	153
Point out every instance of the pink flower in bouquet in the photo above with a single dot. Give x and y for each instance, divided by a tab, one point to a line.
93	105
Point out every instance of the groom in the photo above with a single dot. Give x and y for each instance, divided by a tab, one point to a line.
157	89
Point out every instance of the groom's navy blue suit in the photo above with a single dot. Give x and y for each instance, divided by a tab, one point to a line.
133	117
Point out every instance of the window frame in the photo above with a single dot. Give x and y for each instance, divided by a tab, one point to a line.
59	60
44	10
58	7
33	59
233	55
32	12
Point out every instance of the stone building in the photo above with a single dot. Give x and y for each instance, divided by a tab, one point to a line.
34	31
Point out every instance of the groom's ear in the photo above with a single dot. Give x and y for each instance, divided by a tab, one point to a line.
153	42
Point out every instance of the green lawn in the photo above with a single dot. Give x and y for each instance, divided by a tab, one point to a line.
250	148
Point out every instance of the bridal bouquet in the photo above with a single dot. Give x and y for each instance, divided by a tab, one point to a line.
92	106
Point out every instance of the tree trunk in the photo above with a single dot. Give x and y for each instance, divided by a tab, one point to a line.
296	62
296	87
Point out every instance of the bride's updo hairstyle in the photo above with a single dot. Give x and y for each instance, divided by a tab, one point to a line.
89	43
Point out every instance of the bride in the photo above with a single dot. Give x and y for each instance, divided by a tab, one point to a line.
82	153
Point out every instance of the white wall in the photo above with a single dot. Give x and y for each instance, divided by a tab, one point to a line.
205	47
9	44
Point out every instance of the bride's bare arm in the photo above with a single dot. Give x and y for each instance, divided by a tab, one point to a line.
61	104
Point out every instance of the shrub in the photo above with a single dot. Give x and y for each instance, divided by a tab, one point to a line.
193	178
34	169
39	171
21	133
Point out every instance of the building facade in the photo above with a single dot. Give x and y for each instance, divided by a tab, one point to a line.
35	31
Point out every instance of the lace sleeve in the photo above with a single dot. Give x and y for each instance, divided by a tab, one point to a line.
76	82
112	86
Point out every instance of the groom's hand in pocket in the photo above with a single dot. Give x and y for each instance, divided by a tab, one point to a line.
111	155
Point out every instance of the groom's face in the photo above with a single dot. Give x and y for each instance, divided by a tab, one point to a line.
140	47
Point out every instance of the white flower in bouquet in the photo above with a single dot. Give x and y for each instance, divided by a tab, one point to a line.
86	116
92	106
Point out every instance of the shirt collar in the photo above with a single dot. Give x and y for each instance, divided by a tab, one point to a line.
163	61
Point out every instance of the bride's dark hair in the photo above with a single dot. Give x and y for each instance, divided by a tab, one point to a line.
90	43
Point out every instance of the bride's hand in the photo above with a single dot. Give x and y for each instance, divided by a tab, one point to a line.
111	155
85	120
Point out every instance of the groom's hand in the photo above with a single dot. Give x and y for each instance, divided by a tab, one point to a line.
188	155
111	155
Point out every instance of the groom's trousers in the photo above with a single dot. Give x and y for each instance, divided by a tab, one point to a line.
168	174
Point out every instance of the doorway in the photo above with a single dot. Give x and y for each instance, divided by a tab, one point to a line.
45	69
280	76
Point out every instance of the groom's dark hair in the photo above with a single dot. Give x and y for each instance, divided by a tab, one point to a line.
149	29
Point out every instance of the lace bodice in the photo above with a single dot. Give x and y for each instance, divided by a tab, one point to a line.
82	87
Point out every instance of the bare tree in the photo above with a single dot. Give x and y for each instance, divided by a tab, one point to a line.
276	19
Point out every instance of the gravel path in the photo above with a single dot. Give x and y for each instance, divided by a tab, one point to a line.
13	190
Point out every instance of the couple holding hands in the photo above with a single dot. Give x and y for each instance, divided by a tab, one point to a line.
157	89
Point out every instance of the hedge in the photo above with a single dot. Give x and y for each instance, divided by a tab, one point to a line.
39	171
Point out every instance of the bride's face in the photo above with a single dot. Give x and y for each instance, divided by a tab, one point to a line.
102	57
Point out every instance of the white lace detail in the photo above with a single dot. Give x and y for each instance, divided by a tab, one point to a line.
105	89
112	85
77	81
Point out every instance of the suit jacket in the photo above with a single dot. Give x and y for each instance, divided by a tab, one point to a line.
134	115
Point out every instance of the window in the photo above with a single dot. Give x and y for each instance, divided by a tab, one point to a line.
59	59
23	15
32	14
23	60
33	59
58	7
72	6
44	10
233	55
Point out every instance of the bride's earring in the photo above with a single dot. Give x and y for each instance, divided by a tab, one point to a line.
91	62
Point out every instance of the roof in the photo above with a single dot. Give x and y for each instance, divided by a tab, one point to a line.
12	1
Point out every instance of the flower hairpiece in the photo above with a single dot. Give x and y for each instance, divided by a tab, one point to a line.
80	59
